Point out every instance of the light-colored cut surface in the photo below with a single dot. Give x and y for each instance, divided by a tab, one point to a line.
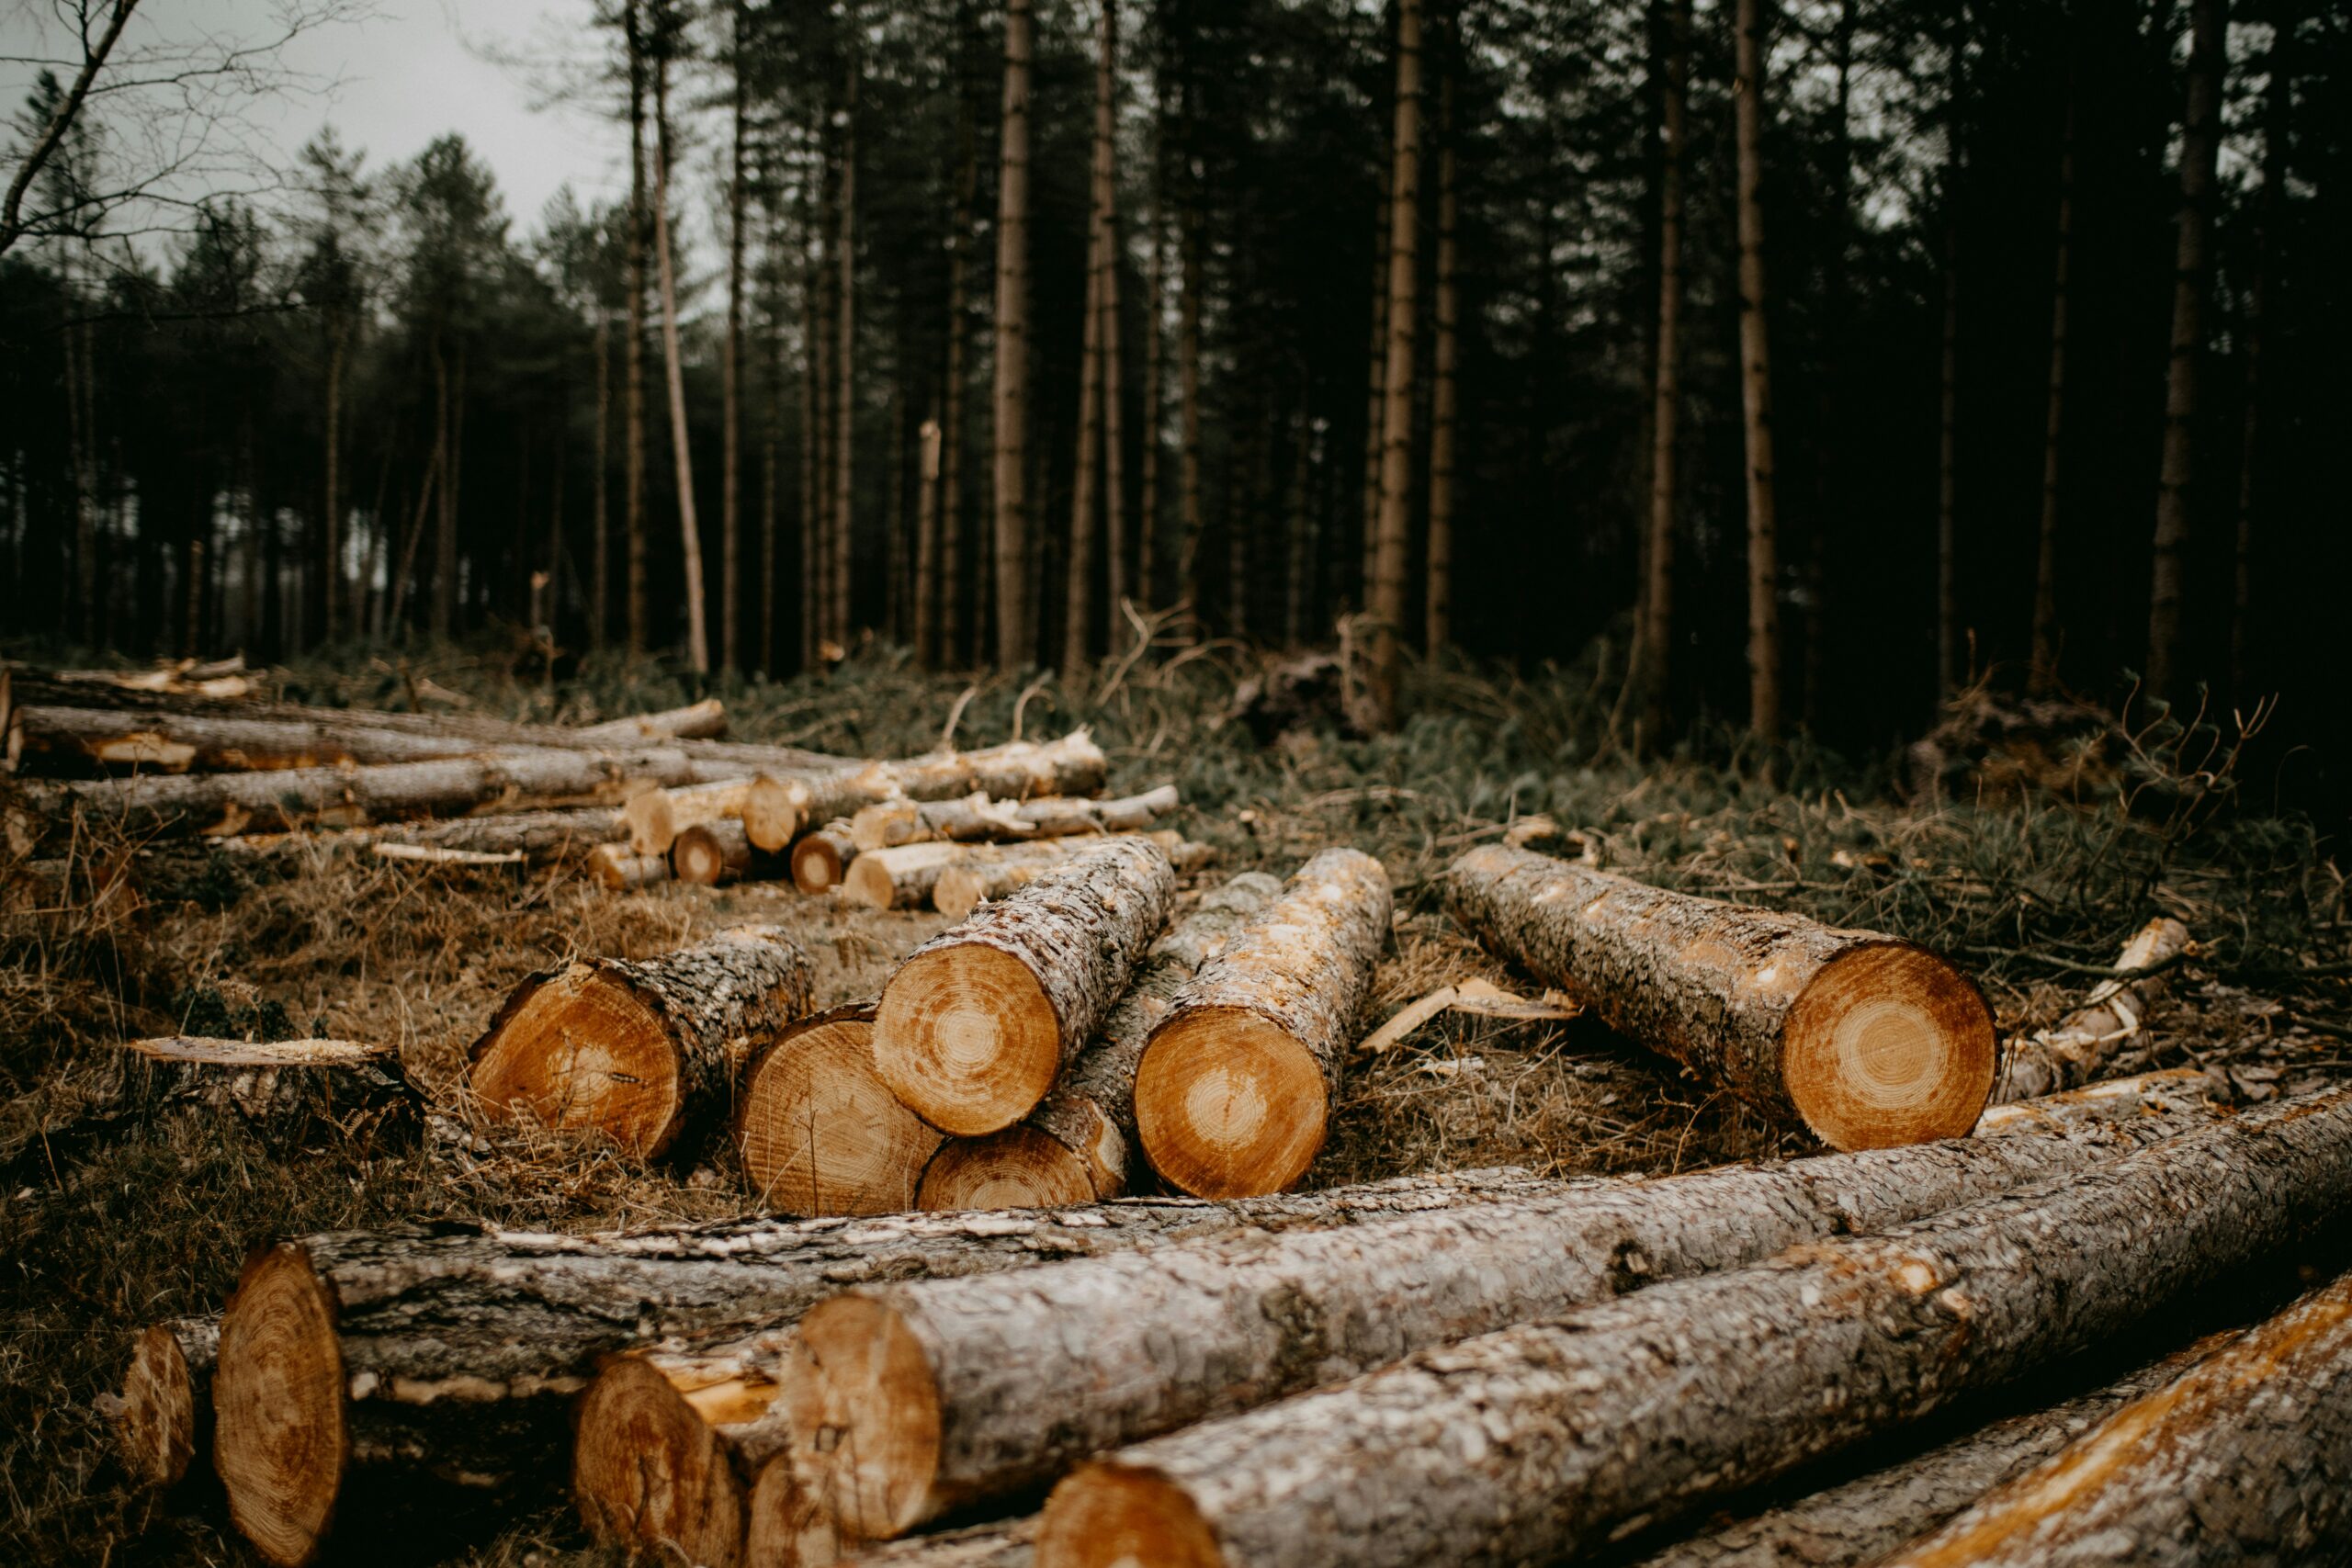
1022	1166
819	1130
278	1402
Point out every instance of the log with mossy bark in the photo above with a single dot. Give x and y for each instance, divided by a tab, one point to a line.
999	871
367	1377
1235	1090
977	1024
975	819
162	1418
2244	1457
711	852
780	807
822	858
1078	1145
819	1130
1541	1440
2078	1047
644	1051
909	1402
1864	1039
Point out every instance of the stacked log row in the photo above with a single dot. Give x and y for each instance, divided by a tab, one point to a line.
162	1418
2080	1045
909	1402
1078	1143
619	868
975	1027
1863	1038
985	872
1537	1441
640	1051
975	817
656	817
819	1130
1234	1089
779	807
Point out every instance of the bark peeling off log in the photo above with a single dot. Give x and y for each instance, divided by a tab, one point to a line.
640	1051
1541	1440
1864	1039
995	1385
2073	1050
1234	1092
975	1025
819	1130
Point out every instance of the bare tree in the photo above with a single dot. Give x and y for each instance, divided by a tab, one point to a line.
1014	644
1948	374
845	349
1439	629
1388	587
1755	383
1652	638
2279	101
633	379
689	527
730	578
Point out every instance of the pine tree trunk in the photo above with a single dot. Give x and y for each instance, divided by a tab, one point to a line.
1947	372
1836	283
842	607
1864	1039
1376	386
819	1130
927	574
1015	645
646	1052
1650	1405
1268	1317
771	453
1392	535
1114	469
1191	265
1155	377
1439	631
600	583
731	368
331	516
689	527
633	379
444	537
2193	266
822	858
1078	611
977	1023
953	651
1756	385
816	495
2042	676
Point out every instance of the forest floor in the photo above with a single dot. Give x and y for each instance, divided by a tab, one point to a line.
2032	866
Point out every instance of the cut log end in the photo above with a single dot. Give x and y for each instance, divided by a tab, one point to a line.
865	1415
705	855
772	815
279	1439
1020	1168
583	1052
817	867
648	1472
966	1037
821	1134
1109	1514
959	891
787	1529
156	1423
1227	1105
1889	1044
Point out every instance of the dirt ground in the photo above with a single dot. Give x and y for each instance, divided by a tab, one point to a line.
2034	883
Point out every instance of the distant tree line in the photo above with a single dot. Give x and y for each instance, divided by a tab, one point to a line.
1818	355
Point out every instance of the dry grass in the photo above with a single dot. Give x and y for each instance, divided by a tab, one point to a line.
101	1240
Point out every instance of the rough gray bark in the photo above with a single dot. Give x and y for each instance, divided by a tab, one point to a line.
419	1365
781	805
539	836
645	1051
1234	1090
1022	1379
1087	1124
162	1418
1534	1442
1864	1039
975	817
2073	1050
977	1022
818	1132
2246	1457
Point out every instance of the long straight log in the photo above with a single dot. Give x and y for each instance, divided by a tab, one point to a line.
780	807
162	1418
1235	1089
364	1371
1538	1441
975	819
819	1130
999	871
1078	1145
977	1024
2076	1048
644	1051
1864	1039
2246	1457
909	1401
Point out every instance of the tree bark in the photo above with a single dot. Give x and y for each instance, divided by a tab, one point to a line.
1192	265
969	1404
1376	385
952	649
927	573
1653	639
975	817
985	872
782	804
633	378
1155	371
289	1095
711	852
644	1051
1015	645
2042	676
2244	1457
1755	383
674	358
1438	631
816	493
1948	374
822	857
1864	1039
842	607
1394	533
1234	1092
1115	461
2081	1046
730	570
331	515
1646	1407
977	1022
162	1418
820	1132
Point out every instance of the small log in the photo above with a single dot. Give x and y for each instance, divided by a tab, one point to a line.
640	1051
1078	1143
819	1130
975	819
998	871
432	854
704	720
162	1418
903	878
657	816
779	808
620	868
1539	1441
2174	1089
822	858
290	1093
909	1401
975	1025
2078	1048
710	852
1235	1089
1863	1038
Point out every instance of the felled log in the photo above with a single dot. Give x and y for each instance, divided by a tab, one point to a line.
1537	1441
641	1051
998	871
162	1418
2078	1047
620	868
2172	1089
1078	1143
710	852
2244	1457
290	1093
368	1376
903	878
1863	1038
704	720
977	1024
911	1400
780	807
822	858
820	1132
975	819
1234	1089
656	817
